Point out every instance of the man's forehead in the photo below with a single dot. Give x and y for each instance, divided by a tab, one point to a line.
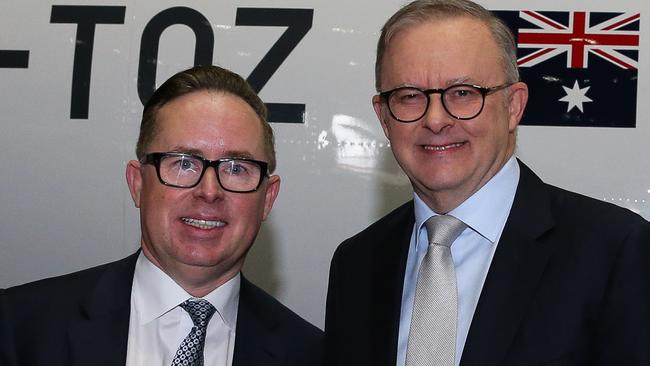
457	50
210	135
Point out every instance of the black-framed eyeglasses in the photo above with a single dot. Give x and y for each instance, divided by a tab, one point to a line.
183	170
461	101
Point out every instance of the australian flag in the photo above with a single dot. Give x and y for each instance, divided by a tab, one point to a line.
581	67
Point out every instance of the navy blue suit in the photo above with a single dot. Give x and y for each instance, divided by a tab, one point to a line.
569	284
83	319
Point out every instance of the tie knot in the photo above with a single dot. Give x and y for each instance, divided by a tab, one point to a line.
444	229
200	311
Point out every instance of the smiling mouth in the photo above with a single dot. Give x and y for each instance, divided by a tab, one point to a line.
203	224
443	147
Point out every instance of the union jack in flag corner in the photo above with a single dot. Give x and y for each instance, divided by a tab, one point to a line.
581	67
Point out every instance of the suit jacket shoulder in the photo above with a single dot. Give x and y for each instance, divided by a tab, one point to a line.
568	283
268	333
399	221
70	289
43	322
557	206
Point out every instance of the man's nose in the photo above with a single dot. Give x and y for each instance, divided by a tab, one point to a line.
436	117
209	188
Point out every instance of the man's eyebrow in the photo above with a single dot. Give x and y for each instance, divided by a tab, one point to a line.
238	154
458	80
226	154
186	150
450	82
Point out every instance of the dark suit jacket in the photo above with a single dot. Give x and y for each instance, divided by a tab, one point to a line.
569	284
83	319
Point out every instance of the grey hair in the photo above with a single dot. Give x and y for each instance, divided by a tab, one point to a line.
422	11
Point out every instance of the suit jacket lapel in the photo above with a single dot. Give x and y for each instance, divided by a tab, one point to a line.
516	268
100	337
388	267
254	341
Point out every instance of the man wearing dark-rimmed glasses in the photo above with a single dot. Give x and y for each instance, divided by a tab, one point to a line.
203	181
487	265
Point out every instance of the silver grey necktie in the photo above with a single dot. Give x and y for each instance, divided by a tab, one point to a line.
432	339
190	352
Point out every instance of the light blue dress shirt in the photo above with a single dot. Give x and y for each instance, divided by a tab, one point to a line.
485	213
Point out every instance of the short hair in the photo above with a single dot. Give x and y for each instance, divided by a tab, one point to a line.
203	78
422	11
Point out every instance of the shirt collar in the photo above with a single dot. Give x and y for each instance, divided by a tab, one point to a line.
487	210
155	294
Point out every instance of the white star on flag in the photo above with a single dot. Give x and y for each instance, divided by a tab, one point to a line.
575	96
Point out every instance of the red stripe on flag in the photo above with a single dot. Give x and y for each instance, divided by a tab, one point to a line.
615	60
544	19
624	21
535	55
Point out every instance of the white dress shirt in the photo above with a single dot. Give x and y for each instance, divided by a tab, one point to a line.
485	213
157	325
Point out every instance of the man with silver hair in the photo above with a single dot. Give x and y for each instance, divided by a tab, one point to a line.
487	265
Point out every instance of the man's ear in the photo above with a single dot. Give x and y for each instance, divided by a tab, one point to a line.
517	103
134	180
272	190
381	115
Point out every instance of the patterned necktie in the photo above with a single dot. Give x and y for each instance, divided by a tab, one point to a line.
432	339
190	352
